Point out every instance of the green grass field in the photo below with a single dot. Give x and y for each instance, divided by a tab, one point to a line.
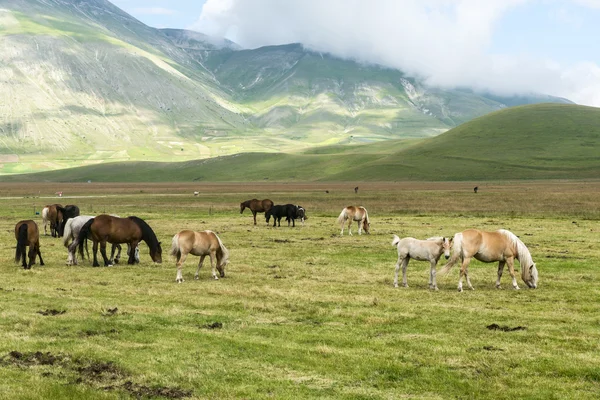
303	312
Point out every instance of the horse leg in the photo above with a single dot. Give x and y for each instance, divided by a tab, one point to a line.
39	253
180	260
95	251
213	264
360	224
500	270
350	227
197	276
131	259
342	232
404	267
463	271
432	272
31	254
254	215
511	269
107	262
398	263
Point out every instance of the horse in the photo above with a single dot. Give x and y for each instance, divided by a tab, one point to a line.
421	250
289	211
71	234
502	246
54	216
353	213
68	211
201	244
107	228
27	234
256	206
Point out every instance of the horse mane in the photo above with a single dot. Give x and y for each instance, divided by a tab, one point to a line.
21	242
523	254
224	253
148	234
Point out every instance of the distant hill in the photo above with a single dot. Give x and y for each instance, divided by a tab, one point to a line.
542	141
85	83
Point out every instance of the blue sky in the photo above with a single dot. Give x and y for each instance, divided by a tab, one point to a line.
508	46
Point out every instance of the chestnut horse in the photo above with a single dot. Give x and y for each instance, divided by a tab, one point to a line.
27	234
502	246
421	250
52	214
256	206
106	228
201	244
353	213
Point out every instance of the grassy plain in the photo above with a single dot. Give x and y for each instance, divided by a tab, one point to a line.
303	312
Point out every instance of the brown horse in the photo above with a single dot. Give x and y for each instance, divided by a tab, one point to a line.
202	244
352	213
256	206
502	246
27	234
106	228
52	213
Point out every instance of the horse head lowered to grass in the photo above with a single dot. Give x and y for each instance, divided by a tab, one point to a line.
502	246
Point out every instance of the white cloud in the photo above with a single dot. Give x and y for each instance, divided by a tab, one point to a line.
445	41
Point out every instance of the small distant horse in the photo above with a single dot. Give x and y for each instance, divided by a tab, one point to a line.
106	228
201	244
421	250
71	233
256	206
68	211
291	212
27	234
502	246
353	213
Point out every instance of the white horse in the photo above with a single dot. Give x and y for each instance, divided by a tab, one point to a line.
353	213
502	246
421	250
45	219
71	233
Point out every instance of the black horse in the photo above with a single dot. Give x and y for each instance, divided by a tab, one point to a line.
291	212
68	211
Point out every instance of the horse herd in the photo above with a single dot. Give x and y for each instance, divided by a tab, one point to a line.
500	246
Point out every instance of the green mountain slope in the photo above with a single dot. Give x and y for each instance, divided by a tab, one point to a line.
543	141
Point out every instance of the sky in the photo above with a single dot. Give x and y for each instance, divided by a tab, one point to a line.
504	46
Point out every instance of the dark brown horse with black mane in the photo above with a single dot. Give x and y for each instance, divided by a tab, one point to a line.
27	234
106	228
256	206
68	211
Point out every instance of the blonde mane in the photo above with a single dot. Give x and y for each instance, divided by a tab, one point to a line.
523	254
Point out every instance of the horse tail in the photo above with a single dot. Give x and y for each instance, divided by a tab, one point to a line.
342	217
21	242
456	253
396	240
175	246
68	232
366	216
83	234
224	259
523	254
45	212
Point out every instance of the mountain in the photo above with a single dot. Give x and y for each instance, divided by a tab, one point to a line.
84	82
540	141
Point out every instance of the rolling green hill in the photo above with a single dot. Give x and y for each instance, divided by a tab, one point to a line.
84	83
542	141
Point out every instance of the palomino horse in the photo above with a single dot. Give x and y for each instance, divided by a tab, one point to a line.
27	234
106	228
202	244
502	246
256	206
352	213
421	250
71	235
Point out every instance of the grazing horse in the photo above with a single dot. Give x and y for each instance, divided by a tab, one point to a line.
71	233
290	211
27	234
353	213
54	216
201	244
69	211
421	250
256	206
107	228
502	246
